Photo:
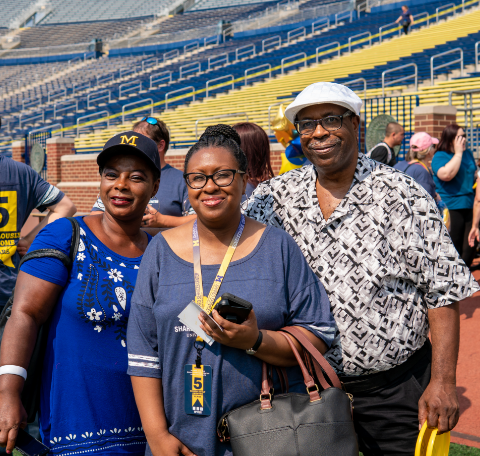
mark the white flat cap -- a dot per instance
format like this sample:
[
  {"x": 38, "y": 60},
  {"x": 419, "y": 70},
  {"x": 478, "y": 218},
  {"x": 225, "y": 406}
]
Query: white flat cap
[{"x": 321, "y": 93}]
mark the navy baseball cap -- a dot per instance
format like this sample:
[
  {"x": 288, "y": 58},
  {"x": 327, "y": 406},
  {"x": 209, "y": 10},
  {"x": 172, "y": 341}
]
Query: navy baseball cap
[{"x": 130, "y": 142}]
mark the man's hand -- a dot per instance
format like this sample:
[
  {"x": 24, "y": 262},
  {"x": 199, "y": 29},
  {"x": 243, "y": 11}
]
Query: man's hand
[
  {"x": 12, "y": 418},
  {"x": 439, "y": 406},
  {"x": 153, "y": 218}
]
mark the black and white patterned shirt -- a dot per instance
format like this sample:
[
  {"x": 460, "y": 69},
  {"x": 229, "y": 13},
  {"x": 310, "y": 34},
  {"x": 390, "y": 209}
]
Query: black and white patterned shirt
[{"x": 384, "y": 256}]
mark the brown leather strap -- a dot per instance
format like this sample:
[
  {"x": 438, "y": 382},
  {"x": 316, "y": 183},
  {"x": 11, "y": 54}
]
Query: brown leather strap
[
  {"x": 265, "y": 396},
  {"x": 312, "y": 388},
  {"x": 317, "y": 356}
]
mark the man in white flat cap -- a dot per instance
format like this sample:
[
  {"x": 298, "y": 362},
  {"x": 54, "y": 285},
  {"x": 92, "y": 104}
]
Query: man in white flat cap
[{"x": 375, "y": 239}]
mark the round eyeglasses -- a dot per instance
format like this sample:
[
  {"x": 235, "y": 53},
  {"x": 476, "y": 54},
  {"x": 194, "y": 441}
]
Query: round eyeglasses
[
  {"x": 331, "y": 123},
  {"x": 222, "y": 178}
]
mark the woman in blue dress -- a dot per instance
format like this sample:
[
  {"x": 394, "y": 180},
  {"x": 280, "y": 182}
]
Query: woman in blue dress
[
  {"x": 267, "y": 269},
  {"x": 87, "y": 404}
]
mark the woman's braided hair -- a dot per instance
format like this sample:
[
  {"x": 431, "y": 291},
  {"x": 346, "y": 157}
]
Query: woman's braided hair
[{"x": 220, "y": 136}]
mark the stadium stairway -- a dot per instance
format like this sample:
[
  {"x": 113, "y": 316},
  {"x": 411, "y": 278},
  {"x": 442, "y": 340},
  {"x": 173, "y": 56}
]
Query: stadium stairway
[{"x": 255, "y": 100}]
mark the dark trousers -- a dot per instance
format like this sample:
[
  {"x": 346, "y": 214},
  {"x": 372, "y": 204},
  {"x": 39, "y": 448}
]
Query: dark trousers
[
  {"x": 386, "y": 419},
  {"x": 460, "y": 226},
  {"x": 405, "y": 28}
]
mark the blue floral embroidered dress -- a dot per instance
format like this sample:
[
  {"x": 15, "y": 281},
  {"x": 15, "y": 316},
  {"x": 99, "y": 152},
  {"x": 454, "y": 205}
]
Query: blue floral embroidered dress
[{"x": 87, "y": 404}]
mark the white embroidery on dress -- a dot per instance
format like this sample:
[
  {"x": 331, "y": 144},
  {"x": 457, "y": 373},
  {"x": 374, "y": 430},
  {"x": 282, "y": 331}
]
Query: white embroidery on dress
[
  {"x": 115, "y": 275},
  {"x": 121, "y": 296}
]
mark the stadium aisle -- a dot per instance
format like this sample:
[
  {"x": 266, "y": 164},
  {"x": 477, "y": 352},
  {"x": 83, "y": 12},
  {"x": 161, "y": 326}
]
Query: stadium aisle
[{"x": 468, "y": 372}]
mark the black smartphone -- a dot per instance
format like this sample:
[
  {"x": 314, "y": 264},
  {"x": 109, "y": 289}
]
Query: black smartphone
[
  {"x": 27, "y": 445},
  {"x": 233, "y": 308}
]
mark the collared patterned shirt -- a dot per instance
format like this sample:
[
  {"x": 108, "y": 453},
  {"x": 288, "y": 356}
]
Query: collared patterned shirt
[{"x": 384, "y": 256}]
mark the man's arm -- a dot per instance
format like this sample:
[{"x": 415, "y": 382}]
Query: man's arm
[
  {"x": 154, "y": 219},
  {"x": 439, "y": 403},
  {"x": 64, "y": 208},
  {"x": 474, "y": 232}
]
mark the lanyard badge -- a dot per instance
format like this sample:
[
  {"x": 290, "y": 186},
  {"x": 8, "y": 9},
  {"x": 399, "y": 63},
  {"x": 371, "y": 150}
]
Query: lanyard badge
[{"x": 198, "y": 378}]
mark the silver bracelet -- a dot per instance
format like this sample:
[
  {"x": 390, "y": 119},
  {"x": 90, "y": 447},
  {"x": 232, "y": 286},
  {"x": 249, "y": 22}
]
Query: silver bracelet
[{"x": 15, "y": 370}]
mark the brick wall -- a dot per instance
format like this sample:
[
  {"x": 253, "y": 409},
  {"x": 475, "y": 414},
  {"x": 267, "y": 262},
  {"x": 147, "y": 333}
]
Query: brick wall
[
  {"x": 18, "y": 151},
  {"x": 56, "y": 148},
  {"x": 433, "y": 119}
]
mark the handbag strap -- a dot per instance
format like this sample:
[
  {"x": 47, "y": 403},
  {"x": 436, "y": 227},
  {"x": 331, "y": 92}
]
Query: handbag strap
[{"x": 317, "y": 356}]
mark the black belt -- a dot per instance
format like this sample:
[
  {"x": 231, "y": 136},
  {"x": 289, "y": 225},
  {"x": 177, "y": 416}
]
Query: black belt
[{"x": 364, "y": 383}]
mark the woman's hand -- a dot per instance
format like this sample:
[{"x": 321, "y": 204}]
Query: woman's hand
[
  {"x": 473, "y": 236},
  {"x": 459, "y": 145},
  {"x": 12, "y": 417},
  {"x": 153, "y": 218},
  {"x": 241, "y": 336},
  {"x": 170, "y": 446}
]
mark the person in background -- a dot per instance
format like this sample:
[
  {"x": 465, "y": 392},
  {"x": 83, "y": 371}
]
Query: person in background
[
  {"x": 267, "y": 269},
  {"x": 454, "y": 173},
  {"x": 418, "y": 160},
  {"x": 87, "y": 403},
  {"x": 406, "y": 19},
  {"x": 256, "y": 145},
  {"x": 166, "y": 208},
  {"x": 383, "y": 152},
  {"x": 22, "y": 190}
]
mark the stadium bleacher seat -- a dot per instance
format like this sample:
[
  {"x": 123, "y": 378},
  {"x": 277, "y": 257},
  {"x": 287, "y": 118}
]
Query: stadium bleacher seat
[{"x": 210, "y": 4}]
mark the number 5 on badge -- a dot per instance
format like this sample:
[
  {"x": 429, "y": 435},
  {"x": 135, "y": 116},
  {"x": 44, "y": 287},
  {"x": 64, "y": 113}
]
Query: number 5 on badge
[{"x": 198, "y": 390}]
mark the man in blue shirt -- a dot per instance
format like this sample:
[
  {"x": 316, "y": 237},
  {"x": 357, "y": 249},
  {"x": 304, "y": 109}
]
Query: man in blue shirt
[
  {"x": 21, "y": 191},
  {"x": 167, "y": 206}
]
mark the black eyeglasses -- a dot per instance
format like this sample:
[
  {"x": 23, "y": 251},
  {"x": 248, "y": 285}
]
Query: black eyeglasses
[
  {"x": 150, "y": 120},
  {"x": 330, "y": 123},
  {"x": 222, "y": 178}
]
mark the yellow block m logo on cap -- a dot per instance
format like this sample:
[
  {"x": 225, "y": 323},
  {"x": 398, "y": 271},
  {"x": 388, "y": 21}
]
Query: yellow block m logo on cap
[{"x": 127, "y": 140}]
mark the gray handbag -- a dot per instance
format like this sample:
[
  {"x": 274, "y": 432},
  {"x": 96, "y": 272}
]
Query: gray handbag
[{"x": 294, "y": 424}]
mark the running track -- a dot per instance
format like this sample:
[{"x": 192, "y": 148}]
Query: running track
[{"x": 467, "y": 431}]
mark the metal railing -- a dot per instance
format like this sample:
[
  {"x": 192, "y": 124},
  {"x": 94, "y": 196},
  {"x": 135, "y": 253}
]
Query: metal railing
[
  {"x": 48, "y": 127},
  {"x": 245, "y": 50},
  {"x": 105, "y": 78},
  {"x": 75, "y": 59},
  {"x": 171, "y": 55},
  {"x": 391, "y": 24},
  {"x": 29, "y": 102},
  {"x": 337, "y": 49},
  {"x": 129, "y": 87},
  {"x": 56, "y": 94},
  {"x": 65, "y": 106},
  {"x": 101, "y": 120},
  {"x": 350, "y": 39},
  {"x": 278, "y": 103},
  {"x": 265, "y": 65},
  {"x": 190, "y": 68},
  {"x": 24, "y": 118},
  {"x": 178, "y": 91},
  {"x": 106, "y": 95},
  {"x": 419, "y": 15},
  {"x": 137, "y": 110},
  {"x": 343, "y": 15},
  {"x": 473, "y": 134},
  {"x": 444, "y": 7},
  {"x": 124, "y": 71},
  {"x": 297, "y": 33},
  {"x": 477, "y": 66},
  {"x": 190, "y": 47},
  {"x": 355, "y": 81},
  {"x": 211, "y": 40},
  {"x": 226, "y": 32},
  {"x": 443, "y": 65},
  {"x": 229, "y": 76},
  {"x": 271, "y": 42},
  {"x": 415, "y": 76},
  {"x": 156, "y": 78},
  {"x": 219, "y": 59},
  {"x": 317, "y": 25},
  {"x": 77, "y": 86},
  {"x": 293, "y": 57},
  {"x": 149, "y": 63},
  {"x": 225, "y": 116}
]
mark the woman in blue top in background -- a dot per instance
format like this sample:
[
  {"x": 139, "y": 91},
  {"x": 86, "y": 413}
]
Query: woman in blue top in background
[
  {"x": 87, "y": 403},
  {"x": 454, "y": 170},
  {"x": 267, "y": 269}
]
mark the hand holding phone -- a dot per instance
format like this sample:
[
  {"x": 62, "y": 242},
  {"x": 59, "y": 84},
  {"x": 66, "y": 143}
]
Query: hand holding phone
[
  {"x": 27, "y": 445},
  {"x": 233, "y": 308}
]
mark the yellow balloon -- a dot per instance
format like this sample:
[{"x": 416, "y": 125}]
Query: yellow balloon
[{"x": 282, "y": 127}]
